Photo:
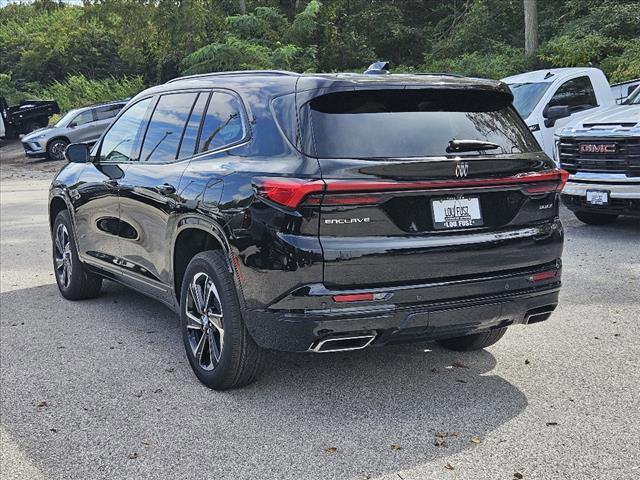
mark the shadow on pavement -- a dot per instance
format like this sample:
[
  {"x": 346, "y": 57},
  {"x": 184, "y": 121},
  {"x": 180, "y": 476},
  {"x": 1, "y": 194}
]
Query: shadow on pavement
[{"x": 116, "y": 383}]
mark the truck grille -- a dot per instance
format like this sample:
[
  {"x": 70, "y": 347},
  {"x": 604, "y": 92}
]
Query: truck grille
[{"x": 625, "y": 159}]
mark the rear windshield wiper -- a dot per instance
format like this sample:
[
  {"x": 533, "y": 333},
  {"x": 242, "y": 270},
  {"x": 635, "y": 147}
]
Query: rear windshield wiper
[{"x": 470, "y": 145}]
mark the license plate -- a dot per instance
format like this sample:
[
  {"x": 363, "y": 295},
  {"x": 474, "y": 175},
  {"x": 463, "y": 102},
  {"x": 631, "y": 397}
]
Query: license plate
[
  {"x": 597, "y": 197},
  {"x": 459, "y": 212}
]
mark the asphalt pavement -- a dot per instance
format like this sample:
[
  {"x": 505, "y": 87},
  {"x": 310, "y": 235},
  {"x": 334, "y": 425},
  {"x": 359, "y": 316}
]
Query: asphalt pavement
[{"x": 102, "y": 389}]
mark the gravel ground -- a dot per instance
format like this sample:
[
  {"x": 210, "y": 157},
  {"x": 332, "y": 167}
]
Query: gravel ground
[{"x": 102, "y": 389}]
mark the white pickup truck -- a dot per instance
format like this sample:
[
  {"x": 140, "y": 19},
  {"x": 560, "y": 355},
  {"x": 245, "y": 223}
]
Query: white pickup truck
[
  {"x": 548, "y": 100},
  {"x": 601, "y": 152}
]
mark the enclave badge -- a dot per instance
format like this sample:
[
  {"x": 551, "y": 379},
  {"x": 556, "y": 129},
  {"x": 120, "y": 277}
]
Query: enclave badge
[{"x": 462, "y": 169}]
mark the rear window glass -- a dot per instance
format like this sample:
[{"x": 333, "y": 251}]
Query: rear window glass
[{"x": 410, "y": 123}]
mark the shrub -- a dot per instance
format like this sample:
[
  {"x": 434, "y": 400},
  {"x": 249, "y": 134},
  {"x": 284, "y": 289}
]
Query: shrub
[
  {"x": 506, "y": 61},
  {"x": 625, "y": 66},
  {"x": 574, "y": 51},
  {"x": 77, "y": 91}
]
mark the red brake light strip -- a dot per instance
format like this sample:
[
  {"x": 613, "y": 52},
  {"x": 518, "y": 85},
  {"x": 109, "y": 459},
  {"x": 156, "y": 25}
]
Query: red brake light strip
[{"x": 290, "y": 192}]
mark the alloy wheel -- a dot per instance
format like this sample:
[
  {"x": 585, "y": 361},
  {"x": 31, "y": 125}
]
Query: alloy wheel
[
  {"x": 62, "y": 254},
  {"x": 57, "y": 150},
  {"x": 205, "y": 323}
]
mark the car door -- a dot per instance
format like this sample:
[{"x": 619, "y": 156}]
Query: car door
[
  {"x": 150, "y": 191},
  {"x": 103, "y": 117},
  {"x": 81, "y": 127},
  {"x": 579, "y": 95},
  {"x": 96, "y": 194}
]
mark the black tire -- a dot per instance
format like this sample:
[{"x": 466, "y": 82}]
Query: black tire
[
  {"x": 593, "y": 218},
  {"x": 475, "y": 341},
  {"x": 219, "y": 348},
  {"x": 73, "y": 279},
  {"x": 56, "y": 148}
]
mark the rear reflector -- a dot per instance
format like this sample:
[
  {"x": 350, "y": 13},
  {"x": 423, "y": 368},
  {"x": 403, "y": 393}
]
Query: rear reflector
[
  {"x": 538, "y": 277},
  {"x": 354, "y": 297},
  {"x": 290, "y": 192}
]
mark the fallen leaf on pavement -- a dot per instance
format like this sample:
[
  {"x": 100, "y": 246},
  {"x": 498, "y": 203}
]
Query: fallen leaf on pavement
[
  {"x": 133, "y": 455},
  {"x": 331, "y": 450},
  {"x": 517, "y": 475},
  {"x": 448, "y": 466},
  {"x": 527, "y": 362},
  {"x": 138, "y": 394},
  {"x": 475, "y": 440},
  {"x": 459, "y": 365},
  {"x": 552, "y": 424},
  {"x": 396, "y": 447},
  {"x": 41, "y": 404}
]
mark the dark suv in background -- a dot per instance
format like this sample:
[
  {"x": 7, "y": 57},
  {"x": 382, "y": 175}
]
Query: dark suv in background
[{"x": 315, "y": 213}]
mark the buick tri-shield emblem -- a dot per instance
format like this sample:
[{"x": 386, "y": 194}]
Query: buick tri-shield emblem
[
  {"x": 597, "y": 148},
  {"x": 462, "y": 169}
]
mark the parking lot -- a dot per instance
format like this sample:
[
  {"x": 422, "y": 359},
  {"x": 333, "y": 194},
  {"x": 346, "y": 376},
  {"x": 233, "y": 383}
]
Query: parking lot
[{"x": 102, "y": 388}]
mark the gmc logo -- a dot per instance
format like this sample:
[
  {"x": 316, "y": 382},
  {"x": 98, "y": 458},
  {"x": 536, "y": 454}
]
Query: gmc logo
[{"x": 597, "y": 148}]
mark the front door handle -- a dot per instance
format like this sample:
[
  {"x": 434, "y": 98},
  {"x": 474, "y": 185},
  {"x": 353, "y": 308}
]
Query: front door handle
[{"x": 166, "y": 189}]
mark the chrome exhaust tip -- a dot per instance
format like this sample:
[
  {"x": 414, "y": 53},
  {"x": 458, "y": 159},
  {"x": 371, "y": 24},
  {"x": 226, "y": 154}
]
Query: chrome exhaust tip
[
  {"x": 342, "y": 343},
  {"x": 539, "y": 314}
]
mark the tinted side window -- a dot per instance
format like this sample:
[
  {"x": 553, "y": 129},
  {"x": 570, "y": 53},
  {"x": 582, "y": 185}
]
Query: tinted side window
[
  {"x": 190, "y": 137},
  {"x": 82, "y": 118},
  {"x": 577, "y": 94},
  {"x": 165, "y": 127},
  {"x": 109, "y": 111},
  {"x": 119, "y": 143},
  {"x": 222, "y": 124}
]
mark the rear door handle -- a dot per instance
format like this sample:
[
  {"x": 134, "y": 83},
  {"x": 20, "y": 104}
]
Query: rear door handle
[{"x": 166, "y": 189}]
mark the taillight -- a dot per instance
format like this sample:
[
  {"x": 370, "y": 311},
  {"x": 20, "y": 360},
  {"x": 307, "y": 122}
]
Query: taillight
[
  {"x": 291, "y": 192},
  {"x": 543, "y": 186},
  {"x": 285, "y": 191}
]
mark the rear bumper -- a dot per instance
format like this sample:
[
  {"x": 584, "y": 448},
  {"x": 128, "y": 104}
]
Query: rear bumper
[
  {"x": 410, "y": 313},
  {"x": 624, "y": 197}
]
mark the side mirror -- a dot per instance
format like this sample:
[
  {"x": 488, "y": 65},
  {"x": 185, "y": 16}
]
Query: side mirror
[
  {"x": 72, "y": 125},
  {"x": 551, "y": 114},
  {"x": 77, "y": 153}
]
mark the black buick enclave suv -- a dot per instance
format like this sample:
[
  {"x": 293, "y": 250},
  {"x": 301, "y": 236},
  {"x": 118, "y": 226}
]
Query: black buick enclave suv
[{"x": 315, "y": 213}]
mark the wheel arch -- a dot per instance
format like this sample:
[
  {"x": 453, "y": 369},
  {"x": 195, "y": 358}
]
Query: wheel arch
[
  {"x": 194, "y": 236},
  {"x": 56, "y": 205}
]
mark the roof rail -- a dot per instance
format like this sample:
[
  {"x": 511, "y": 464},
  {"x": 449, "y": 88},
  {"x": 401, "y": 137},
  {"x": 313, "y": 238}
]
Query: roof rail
[
  {"x": 237, "y": 72},
  {"x": 441, "y": 74}
]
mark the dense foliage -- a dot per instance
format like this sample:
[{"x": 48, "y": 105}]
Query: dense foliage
[{"x": 75, "y": 53}]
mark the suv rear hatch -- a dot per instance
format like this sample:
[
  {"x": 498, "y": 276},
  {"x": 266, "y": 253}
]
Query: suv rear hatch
[{"x": 425, "y": 185}]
